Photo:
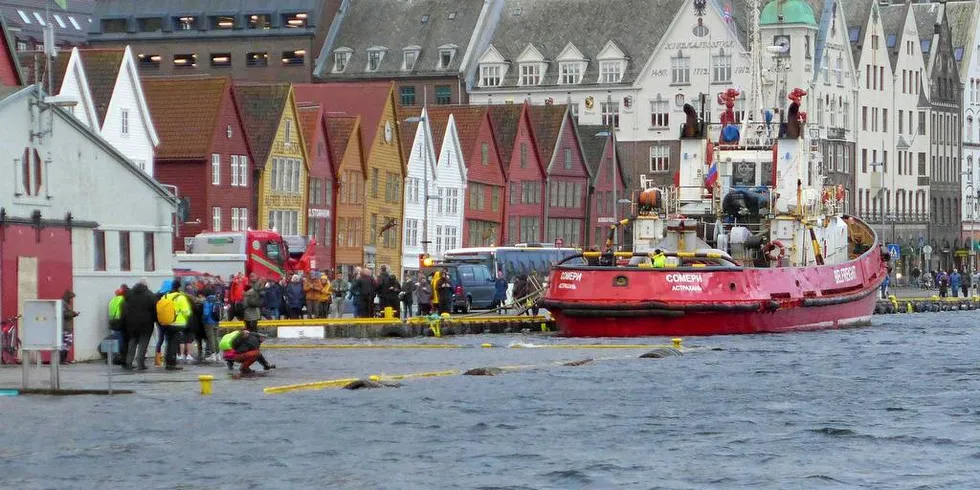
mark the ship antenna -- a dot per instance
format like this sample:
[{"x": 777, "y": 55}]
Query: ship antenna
[{"x": 754, "y": 103}]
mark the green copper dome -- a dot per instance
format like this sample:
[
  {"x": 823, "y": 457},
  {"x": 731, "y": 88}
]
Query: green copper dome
[{"x": 793, "y": 12}]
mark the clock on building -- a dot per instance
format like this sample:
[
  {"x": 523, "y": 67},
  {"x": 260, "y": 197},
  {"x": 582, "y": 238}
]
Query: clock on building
[
  {"x": 782, "y": 41},
  {"x": 388, "y": 130}
]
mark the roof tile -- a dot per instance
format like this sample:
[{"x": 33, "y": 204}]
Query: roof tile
[
  {"x": 262, "y": 107},
  {"x": 340, "y": 131},
  {"x": 506, "y": 119},
  {"x": 547, "y": 121},
  {"x": 310, "y": 115},
  {"x": 185, "y": 112},
  {"x": 101, "y": 69},
  {"x": 365, "y": 99}
]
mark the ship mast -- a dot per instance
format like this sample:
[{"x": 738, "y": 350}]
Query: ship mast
[{"x": 755, "y": 65}]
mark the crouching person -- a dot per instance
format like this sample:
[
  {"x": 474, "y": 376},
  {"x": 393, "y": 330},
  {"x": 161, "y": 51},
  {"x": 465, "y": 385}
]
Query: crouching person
[{"x": 242, "y": 346}]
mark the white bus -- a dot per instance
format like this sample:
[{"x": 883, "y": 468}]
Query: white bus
[{"x": 520, "y": 259}]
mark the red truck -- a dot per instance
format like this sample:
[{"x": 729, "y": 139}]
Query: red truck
[{"x": 264, "y": 253}]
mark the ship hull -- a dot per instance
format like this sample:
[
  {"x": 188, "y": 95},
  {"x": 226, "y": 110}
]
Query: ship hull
[{"x": 632, "y": 302}]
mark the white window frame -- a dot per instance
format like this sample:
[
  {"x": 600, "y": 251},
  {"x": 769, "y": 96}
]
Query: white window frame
[
  {"x": 609, "y": 112},
  {"x": 60, "y": 22},
  {"x": 243, "y": 219},
  {"x": 216, "y": 218},
  {"x": 659, "y": 159},
  {"x": 414, "y": 55},
  {"x": 610, "y": 71},
  {"x": 243, "y": 170},
  {"x": 341, "y": 60},
  {"x": 24, "y": 17},
  {"x": 721, "y": 67},
  {"x": 74, "y": 23},
  {"x": 234, "y": 169},
  {"x": 491, "y": 74},
  {"x": 571, "y": 73},
  {"x": 375, "y": 58},
  {"x": 40, "y": 20},
  {"x": 125, "y": 122},
  {"x": 680, "y": 69},
  {"x": 215, "y": 169},
  {"x": 531, "y": 74},
  {"x": 659, "y": 113},
  {"x": 234, "y": 220},
  {"x": 452, "y": 56},
  {"x": 288, "y": 132}
]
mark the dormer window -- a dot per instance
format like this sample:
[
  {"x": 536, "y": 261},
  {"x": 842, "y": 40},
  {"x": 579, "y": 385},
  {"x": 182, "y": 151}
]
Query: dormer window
[
  {"x": 341, "y": 58},
  {"x": 531, "y": 73},
  {"x": 375, "y": 55},
  {"x": 260, "y": 21},
  {"x": 610, "y": 71},
  {"x": 571, "y": 72},
  {"x": 294, "y": 20},
  {"x": 447, "y": 53},
  {"x": 222, "y": 22},
  {"x": 491, "y": 75},
  {"x": 410, "y": 57},
  {"x": 185, "y": 22}
]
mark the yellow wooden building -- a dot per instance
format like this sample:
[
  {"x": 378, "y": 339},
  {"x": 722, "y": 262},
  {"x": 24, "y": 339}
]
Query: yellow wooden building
[
  {"x": 384, "y": 166},
  {"x": 279, "y": 152}
]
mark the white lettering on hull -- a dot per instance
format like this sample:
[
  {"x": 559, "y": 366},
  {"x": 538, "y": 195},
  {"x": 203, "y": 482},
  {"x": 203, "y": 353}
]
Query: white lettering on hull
[
  {"x": 571, "y": 276},
  {"x": 567, "y": 286},
  {"x": 846, "y": 274},
  {"x": 682, "y": 278},
  {"x": 686, "y": 288}
]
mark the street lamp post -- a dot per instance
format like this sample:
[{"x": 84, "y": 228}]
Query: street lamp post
[{"x": 423, "y": 120}]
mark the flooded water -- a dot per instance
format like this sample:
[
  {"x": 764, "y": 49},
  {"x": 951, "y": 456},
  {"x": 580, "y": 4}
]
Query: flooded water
[{"x": 890, "y": 406}]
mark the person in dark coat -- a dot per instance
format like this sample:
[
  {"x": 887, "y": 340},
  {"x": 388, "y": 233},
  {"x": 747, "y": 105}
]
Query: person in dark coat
[
  {"x": 499, "y": 291},
  {"x": 366, "y": 288},
  {"x": 272, "y": 300},
  {"x": 521, "y": 291},
  {"x": 295, "y": 298},
  {"x": 139, "y": 315},
  {"x": 388, "y": 289},
  {"x": 407, "y": 295},
  {"x": 444, "y": 290}
]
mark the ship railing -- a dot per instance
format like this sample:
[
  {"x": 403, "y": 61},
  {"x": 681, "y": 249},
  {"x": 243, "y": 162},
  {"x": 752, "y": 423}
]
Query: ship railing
[{"x": 708, "y": 260}]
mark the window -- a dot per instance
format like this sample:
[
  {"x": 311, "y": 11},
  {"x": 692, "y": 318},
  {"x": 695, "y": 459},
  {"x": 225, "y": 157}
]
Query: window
[
  {"x": 32, "y": 172},
  {"x": 185, "y": 61},
  {"x": 446, "y": 58},
  {"x": 294, "y": 20},
  {"x": 216, "y": 169},
  {"x": 21, "y": 45},
  {"x": 340, "y": 60},
  {"x": 40, "y": 20},
  {"x": 884, "y": 120},
  {"x": 411, "y": 232},
  {"x": 288, "y": 131},
  {"x": 846, "y": 115},
  {"x": 374, "y": 59},
  {"x": 444, "y": 94},
  {"x": 568, "y": 158},
  {"x": 374, "y": 183},
  {"x": 565, "y": 228},
  {"x": 257, "y": 58},
  {"x": 74, "y": 23},
  {"x": 145, "y": 24},
  {"x": 610, "y": 71},
  {"x": 485, "y": 153},
  {"x": 235, "y": 220},
  {"x": 721, "y": 67},
  {"x": 864, "y": 160},
  {"x": 259, "y": 21},
  {"x": 109, "y": 26},
  {"x": 659, "y": 158},
  {"x": 222, "y": 22},
  {"x": 373, "y": 231},
  {"x": 219, "y": 60},
  {"x": 215, "y": 219},
  {"x": 523, "y": 155},
  {"x": 149, "y": 252},
  {"x": 659, "y": 113},
  {"x": 680, "y": 69},
  {"x": 495, "y": 199},
  {"x": 185, "y": 23},
  {"x": 571, "y": 73},
  {"x": 409, "y": 57},
  {"x": 125, "y": 262},
  {"x": 839, "y": 70},
  {"x": 864, "y": 118},
  {"x": 491, "y": 75},
  {"x": 530, "y": 73},
  {"x": 610, "y": 114},
  {"x": 294, "y": 58},
  {"x": 922, "y": 123},
  {"x": 530, "y": 229},
  {"x": 27, "y": 20},
  {"x": 407, "y": 95},
  {"x": 149, "y": 61},
  {"x": 125, "y": 121},
  {"x": 234, "y": 170},
  {"x": 242, "y": 171},
  {"x": 99, "y": 248}
]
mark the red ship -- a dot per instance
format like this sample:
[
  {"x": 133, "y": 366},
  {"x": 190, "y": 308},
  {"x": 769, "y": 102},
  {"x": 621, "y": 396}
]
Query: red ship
[{"x": 748, "y": 240}]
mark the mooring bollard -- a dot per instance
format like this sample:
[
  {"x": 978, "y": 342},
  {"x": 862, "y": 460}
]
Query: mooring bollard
[
  {"x": 677, "y": 343},
  {"x": 205, "y": 380}
]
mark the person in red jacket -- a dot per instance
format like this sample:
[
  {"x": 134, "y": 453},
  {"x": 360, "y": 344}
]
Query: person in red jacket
[{"x": 236, "y": 296}]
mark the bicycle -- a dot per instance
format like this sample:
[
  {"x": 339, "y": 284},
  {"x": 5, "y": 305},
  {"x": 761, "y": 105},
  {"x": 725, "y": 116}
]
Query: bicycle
[{"x": 9, "y": 341}]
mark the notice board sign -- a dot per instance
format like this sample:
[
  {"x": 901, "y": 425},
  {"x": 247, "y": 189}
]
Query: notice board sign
[{"x": 41, "y": 325}]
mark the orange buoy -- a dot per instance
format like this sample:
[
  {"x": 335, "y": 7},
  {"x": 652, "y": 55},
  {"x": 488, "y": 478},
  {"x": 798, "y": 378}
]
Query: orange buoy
[{"x": 650, "y": 198}]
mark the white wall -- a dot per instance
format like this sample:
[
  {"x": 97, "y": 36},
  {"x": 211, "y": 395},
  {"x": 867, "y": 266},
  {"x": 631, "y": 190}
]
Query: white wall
[
  {"x": 450, "y": 174},
  {"x": 422, "y": 152},
  {"x": 95, "y": 184},
  {"x": 137, "y": 144}
]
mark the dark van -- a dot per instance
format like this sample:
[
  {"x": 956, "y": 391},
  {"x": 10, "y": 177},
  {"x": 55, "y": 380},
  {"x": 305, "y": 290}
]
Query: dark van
[{"x": 472, "y": 285}]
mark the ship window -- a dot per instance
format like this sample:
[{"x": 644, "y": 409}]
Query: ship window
[
  {"x": 743, "y": 174},
  {"x": 766, "y": 174}
]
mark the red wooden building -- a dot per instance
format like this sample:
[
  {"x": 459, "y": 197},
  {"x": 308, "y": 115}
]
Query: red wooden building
[
  {"x": 599, "y": 157},
  {"x": 204, "y": 152},
  {"x": 9, "y": 69},
  {"x": 566, "y": 173},
  {"x": 524, "y": 172},
  {"x": 322, "y": 186}
]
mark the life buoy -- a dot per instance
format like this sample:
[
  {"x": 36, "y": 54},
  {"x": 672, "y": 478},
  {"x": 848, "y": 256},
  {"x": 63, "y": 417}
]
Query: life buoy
[{"x": 774, "y": 250}]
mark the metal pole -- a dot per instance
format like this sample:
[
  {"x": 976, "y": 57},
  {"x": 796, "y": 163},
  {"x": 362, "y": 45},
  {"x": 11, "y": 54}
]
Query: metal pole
[
  {"x": 615, "y": 164},
  {"x": 425, "y": 183}
]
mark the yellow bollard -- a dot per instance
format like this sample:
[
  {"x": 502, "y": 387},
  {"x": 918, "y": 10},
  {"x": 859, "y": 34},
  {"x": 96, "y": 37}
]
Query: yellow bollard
[
  {"x": 375, "y": 378},
  {"x": 389, "y": 313},
  {"x": 205, "y": 380},
  {"x": 486, "y": 346},
  {"x": 677, "y": 343}
]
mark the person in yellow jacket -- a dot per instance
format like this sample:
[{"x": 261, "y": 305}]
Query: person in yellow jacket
[
  {"x": 659, "y": 259},
  {"x": 182, "y": 306},
  {"x": 435, "y": 289}
]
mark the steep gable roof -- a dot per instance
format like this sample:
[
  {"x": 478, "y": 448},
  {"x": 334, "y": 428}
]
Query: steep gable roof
[
  {"x": 32, "y": 62},
  {"x": 469, "y": 119},
  {"x": 927, "y": 15},
  {"x": 857, "y": 13},
  {"x": 547, "y": 122},
  {"x": 505, "y": 119},
  {"x": 593, "y": 146},
  {"x": 893, "y": 22},
  {"x": 408, "y": 129},
  {"x": 438, "y": 124},
  {"x": 185, "y": 112},
  {"x": 102, "y": 70},
  {"x": 8, "y": 55},
  {"x": 961, "y": 17},
  {"x": 365, "y": 99},
  {"x": 635, "y": 26},
  {"x": 262, "y": 107},
  {"x": 310, "y": 116},
  {"x": 425, "y": 24},
  {"x": 342, "y": 131}
]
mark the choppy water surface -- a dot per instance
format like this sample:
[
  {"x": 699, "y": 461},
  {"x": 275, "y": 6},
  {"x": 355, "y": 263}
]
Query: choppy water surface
[{"x": 891, "y": 406}]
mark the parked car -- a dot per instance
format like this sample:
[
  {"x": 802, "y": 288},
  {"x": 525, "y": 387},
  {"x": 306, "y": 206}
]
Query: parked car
[{"x": 472, "y": 285}]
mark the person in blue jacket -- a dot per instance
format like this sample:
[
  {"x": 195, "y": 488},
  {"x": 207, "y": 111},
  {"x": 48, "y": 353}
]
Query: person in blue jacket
[
  {"x": 295, "y": 298},
  {"x": 499, "y": 291},
  {"x": 272, "y": 300}
]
